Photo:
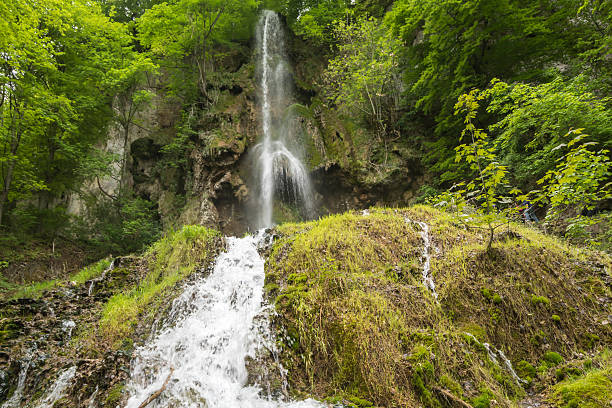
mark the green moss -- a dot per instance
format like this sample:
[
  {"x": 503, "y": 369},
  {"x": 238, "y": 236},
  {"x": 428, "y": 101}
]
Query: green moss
[
  {"x": 556, "y": 318},
  {"x": 491, "y": 296},
  {"x": 350, "y": 288},
  {"x": 449, "y": 383},
  {"x": 552, "y": 358},
  {"x": 114, "y": 395},
  {"x": 171, "y": 259},
  {"x": 475, "y": 330},
  {"x": 540, "y": 300},
  {"x": 526, "y": 371},
  {"x": 591, "y": 340},
  {"x": 483, "y": 400},
  {"x": 593, "y": 390},
  {"x": 359, "y": 402}
]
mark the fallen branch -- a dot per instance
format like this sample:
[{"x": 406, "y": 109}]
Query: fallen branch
[
  {"x": 451, "y": 397},
  {"x": 158, "y": 392}
]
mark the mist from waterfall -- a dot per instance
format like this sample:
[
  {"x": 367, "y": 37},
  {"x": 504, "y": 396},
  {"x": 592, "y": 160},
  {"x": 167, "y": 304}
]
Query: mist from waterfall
[{"x": 280, "y": 173}]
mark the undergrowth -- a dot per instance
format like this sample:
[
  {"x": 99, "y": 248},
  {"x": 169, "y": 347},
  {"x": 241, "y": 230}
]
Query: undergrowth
[
  {"x": 35, "y": 290},
  {"x": 166, "y": 262},
  {"x": 591, "y": 389},
  {"x": 361, "y": 325}
]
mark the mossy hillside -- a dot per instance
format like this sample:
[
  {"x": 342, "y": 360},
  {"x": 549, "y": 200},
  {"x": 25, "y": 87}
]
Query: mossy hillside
[
  {"x": 110, "y": 315},
  {"x": 36, "y": 289},
  {"x": 361, "y": 325},
  {"x": 165, "y": 263}
]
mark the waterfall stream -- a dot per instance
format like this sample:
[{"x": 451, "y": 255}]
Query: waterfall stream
[
  {"x": 279, "y": 172},
  {"x": 213, "y": 327}
]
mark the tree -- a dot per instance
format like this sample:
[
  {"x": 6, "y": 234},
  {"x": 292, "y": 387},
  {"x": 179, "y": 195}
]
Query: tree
[
  {"x": 364, "y": 76},
  {"x": 129, "y": 83},
  {"x": 535, "y": 119},
  {"x": 577, "y": 184},
  {"x": 454, "y": 46},
  {"x": 182, "y": 34},
  {"x": 54, "y": 103},
  {"x": 485, "y": 198}
]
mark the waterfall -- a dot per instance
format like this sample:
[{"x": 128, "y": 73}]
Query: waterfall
[
  {"x": 279, "y": 172},
  {"x": 199, "y": 357}
]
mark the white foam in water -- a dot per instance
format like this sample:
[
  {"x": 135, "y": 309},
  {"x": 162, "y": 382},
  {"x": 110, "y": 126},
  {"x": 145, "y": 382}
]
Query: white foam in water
[
  {"x": 15, "y": 400},
  {"x": 67, "y": 327},
  {"x": 493, "y": 357},
  {"x": 214, "y": 325},
  {"x": 58, "y": 388},
  {"x": 100, "y": 278},
  {"x": 426, "y": 254}
]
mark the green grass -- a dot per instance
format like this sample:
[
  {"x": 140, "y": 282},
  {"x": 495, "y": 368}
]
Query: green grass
[
  {"x": 35, "y": 290},
  {"x": 591, "y": 390},
  {"x": 90, "y": 272},
  {"x": 168, "y": 261}
]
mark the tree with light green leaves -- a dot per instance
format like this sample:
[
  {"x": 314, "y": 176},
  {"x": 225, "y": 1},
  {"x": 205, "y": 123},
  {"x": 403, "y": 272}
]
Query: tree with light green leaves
[
  {"x": 483, "y": 201},
  {"x": 186, "y": 35},
  {"x": 579, "y": 182},
  {"x": 364, "y": 76},
  {"x": 56, "y": 66}
]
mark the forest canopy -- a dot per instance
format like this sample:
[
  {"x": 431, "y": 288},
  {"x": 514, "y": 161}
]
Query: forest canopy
[{"x": 72, "y": 71}]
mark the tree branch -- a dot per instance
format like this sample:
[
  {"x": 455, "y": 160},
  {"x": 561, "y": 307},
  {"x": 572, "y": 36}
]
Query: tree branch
[{"x": 158, "y": 392}]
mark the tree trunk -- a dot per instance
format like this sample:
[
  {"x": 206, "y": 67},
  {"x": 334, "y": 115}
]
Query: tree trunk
[
  {"x": 8, "y": 178},
  {"x": 490, "y": 243},
  {"x": 5, "y": 188}
]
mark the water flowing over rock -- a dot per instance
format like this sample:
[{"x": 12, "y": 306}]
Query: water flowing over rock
[
  {"x": 15, "y": 400},
  {"x": 199, "y": 358},
  {"x": 426, "y": 273},
  {"x": 279, "y": 172},
  {"x": 58, "y": 388},
  {"x": 493, "y": 354}
]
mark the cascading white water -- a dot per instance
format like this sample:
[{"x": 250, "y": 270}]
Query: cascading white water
[
  {"x": 15, "y": 400},
  {"x": 277, "y": 164},
  {"x": 214, "y": 326},
  {"x": 426, "y": 255},
  {"x": 58, "y": 388},
  {"x": 493, "y": 357}
]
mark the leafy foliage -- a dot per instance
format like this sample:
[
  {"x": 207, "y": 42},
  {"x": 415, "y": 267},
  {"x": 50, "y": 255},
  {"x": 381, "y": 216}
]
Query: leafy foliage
[
  {"x": 186, "y": 35},
  {"x": 483, "y": 198},
  {"x": 56, "y": 69},
  {"x": 364, "y": 76},
  {"x": 577, "y": 185},
  {"x": 534, "y": 120}
]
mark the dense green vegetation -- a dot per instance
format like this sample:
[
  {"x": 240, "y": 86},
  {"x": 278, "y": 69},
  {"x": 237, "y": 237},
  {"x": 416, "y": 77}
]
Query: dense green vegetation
[
  {"x": 122, "y": 122},
  {"x": 72, "y": 72}
]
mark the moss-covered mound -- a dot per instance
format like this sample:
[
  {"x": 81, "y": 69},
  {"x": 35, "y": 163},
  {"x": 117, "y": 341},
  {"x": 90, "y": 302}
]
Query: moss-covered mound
[{"x": 361, "y": 326}]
